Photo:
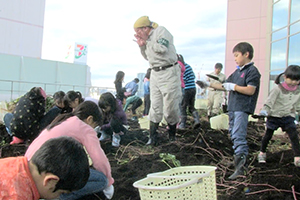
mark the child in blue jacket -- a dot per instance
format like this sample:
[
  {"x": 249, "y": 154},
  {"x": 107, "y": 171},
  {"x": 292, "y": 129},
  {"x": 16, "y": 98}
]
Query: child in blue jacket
[{"x": 243, "y": 86}]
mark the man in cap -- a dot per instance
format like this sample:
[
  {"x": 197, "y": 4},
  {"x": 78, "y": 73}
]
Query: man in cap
[
  {"x": 156, "y": 44},
  {"x": 215, "y": 97}
]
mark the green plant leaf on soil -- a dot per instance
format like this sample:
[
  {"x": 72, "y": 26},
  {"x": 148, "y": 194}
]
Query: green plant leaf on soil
[{"x": 169, "y": 157}]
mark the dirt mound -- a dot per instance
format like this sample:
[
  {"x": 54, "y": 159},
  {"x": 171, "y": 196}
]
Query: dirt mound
[{"x": 132, "y": 161}]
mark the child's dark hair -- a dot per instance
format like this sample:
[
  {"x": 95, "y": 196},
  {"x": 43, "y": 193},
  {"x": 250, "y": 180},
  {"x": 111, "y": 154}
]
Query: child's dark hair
[
  {"x": 82, "y": 111},
  {"x": 119, "y": 76},
  {"x": 292, "y": 72},
  {"x": 59, "y": 97},
  {"x": 86, "y": 109},
  {"x": 71, "y": 96},
  {"x": 136, "y": 80},
  {"x": 244, "y": 47},
  {"x": 218, "y": 66},
  {"x": 35, "y": 93},
  {"x": 107, "y": 99},
  {"x": 180, "y": 58},
  {"x": 66, "y": 158}
]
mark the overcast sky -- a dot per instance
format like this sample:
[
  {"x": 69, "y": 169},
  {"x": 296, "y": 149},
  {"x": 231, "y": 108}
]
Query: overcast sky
[{"x": 198, "y": 28}]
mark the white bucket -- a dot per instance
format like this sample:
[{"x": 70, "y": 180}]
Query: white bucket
[
  {"x": 144, "y": 122},
  {"x": 201, "y": 104},
  {"x": 222, "y": 121},
  {"x": 219, "y": 122}
]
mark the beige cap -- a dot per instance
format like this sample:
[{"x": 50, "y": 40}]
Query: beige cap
[{"x": 144, "y": 22}]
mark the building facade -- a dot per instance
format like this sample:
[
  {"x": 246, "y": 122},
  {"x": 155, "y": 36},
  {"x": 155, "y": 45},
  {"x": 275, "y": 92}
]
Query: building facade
[
  {"x": 22, "y": 26},
  {"x": 21, "y": 38},
  {"x": 273, "y": 28},
  {"x": 285, "y": 36}
]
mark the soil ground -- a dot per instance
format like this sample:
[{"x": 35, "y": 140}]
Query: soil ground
[{"x": 278, "y": 179}]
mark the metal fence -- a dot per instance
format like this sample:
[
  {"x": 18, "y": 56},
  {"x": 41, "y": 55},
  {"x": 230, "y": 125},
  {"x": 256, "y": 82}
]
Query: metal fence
[{"x": 10, "y": 90}]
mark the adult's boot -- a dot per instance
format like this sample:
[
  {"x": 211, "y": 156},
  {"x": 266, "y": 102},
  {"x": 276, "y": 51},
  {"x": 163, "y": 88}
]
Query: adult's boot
[
  {"x": 153, "y": 134},
  {"x": 172, "y": 132},
  {"x": 196, "y": 120},
  {"x": 182, "y": 123},
  {"x": 240, "y": 166}
]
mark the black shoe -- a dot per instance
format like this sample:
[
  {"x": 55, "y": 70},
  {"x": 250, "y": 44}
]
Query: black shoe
[
  {"x": 240, "y": 166},
  {"x": 172, "y": 132},
  {"x": 153, "y": 134}
]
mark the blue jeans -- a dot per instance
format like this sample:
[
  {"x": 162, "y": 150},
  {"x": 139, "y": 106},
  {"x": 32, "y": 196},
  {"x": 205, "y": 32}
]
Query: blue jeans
[
  {"x": 238, "y": 123},
  {"x": 97, "y": 182},
  {"x": 7, "y": 119}
]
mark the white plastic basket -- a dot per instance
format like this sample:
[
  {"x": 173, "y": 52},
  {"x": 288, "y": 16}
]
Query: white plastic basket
[{"x": 184, "y": 183}]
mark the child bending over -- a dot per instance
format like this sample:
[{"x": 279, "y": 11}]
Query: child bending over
[
  {"x": 114, "y": 118},
  {"x": 59, "y": 166}
]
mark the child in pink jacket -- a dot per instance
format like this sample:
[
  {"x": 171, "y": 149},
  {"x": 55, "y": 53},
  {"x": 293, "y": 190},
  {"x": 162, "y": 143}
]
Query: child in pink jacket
[{"x": 80, "y": 125}]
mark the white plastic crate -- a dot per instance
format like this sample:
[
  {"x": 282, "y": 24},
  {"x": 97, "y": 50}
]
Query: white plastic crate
[{"x": 184, "y": 183}]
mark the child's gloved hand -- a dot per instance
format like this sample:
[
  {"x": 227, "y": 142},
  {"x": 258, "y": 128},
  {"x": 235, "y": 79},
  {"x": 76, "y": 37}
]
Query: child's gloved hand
[
  {"x": 109, "y": 191},
  {"x": 126, "y": 126},
  {"x": 229, "y": 86},
  {"x": 263, "y": 113},
  {"x": 203, "y": 84}
]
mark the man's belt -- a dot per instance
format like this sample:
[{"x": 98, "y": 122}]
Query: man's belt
[{"x": 163, "y": 67}]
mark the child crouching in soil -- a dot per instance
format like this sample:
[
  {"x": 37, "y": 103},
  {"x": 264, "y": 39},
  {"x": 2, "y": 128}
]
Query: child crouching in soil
[
  {"x": 59, "y": 166},
  {"x": 80, "y": 125},
  {"x": 114, "y": 118},
  {"x": 25, "y": 119}
]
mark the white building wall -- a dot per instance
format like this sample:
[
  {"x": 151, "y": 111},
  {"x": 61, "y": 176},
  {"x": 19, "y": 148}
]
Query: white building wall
[
  {"x": 21, "y": 27},
  {"x": 19, "y": 74},
  {"x": 21, "y": 37},
  {"x": 250, "y": 25}
]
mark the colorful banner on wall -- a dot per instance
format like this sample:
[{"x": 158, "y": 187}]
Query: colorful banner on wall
[
  {"x": 80, "y": 53},
  {"x": 77, "y": 53}
]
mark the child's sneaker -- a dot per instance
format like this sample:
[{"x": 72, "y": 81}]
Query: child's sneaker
[
  {"x": 262, "y": 157},
  {"x": 116, "y": 140},
  {"x": 297, "y": 161}
]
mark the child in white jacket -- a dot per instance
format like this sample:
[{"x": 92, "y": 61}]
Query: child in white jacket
[{"x": 280, "y": 108}]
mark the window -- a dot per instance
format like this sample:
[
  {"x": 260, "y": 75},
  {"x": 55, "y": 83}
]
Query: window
[
  {"x": 278, "y": 55},
  {"x": 282, "y": 33},
  {"x": 285, "y": 46},
  {"x": 280, "y": 14},
  {"x": 294, "y": 50},
  {"x": 295, "y": 7},
  {"x": 295, "y": 28}
]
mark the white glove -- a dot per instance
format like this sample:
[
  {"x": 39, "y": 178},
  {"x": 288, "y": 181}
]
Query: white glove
[
  {"x": 109, "y": 191},
  {"x": 263, "y": 113},
  {"x": 228, "y": 86},
  {"x": 203, "y": 84},
  {"x": 126, "y": 126}
]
